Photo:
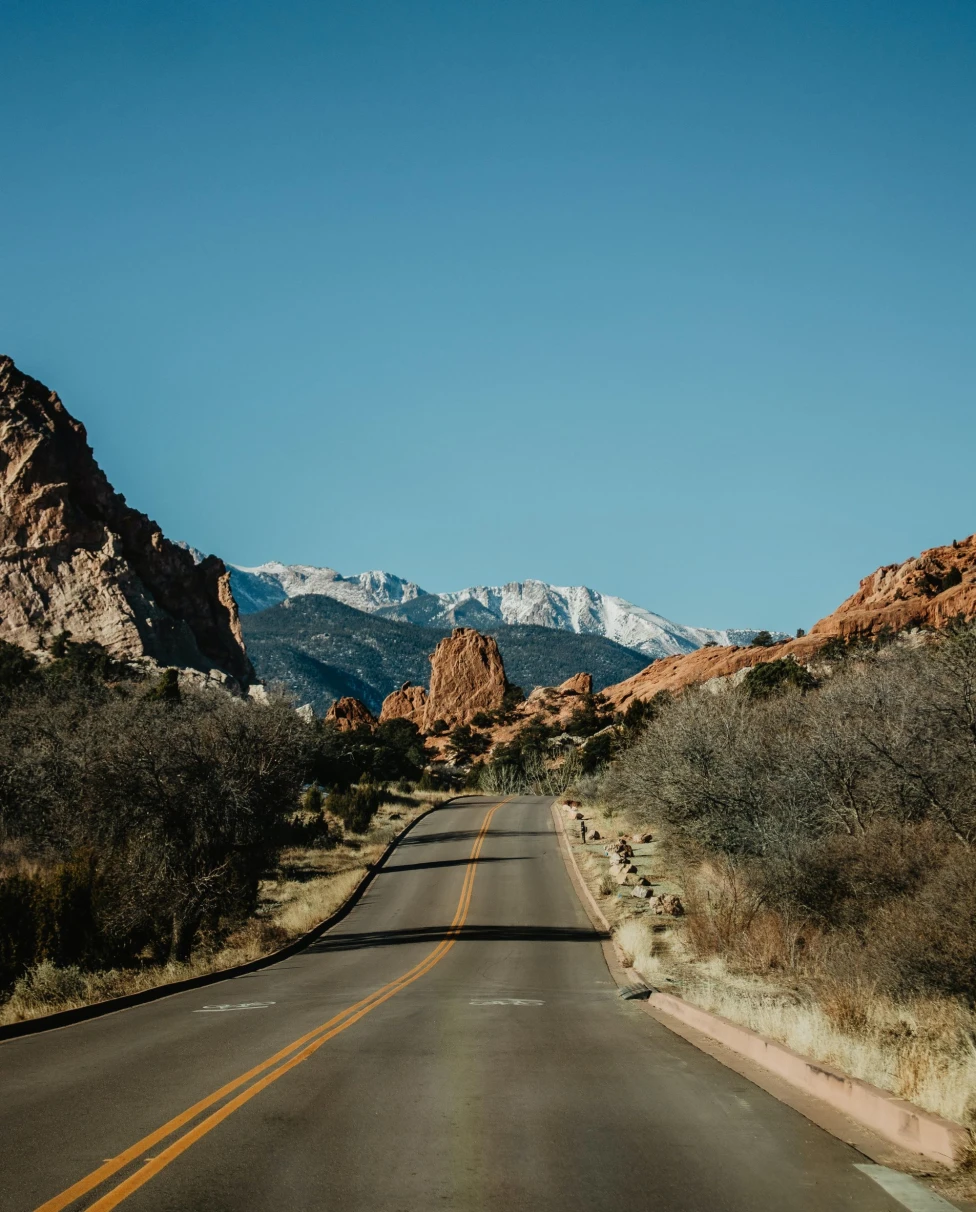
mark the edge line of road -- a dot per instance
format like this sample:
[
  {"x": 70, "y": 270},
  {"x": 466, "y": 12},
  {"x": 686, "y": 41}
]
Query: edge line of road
[
  {"x": 710, "y": 1034},
  {"x": 285, "y": 1059},
  {"x": 125, "y": 1001}
]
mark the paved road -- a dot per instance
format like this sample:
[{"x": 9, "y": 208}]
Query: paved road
[{"x": 487, "y": 1064}]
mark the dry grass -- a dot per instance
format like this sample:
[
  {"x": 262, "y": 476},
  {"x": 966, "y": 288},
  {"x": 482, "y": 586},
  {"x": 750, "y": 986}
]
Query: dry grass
[
  {"x": 309, "y": 886},
  {"x": 922, "y": 1050}
]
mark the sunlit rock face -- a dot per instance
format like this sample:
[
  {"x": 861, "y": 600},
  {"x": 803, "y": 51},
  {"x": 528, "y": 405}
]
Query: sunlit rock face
[
  {"x": 466, "y": 676},
  {"x": 74, "y": 557}
]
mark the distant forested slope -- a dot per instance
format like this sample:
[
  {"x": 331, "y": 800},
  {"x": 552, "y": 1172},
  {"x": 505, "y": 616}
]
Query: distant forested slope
[{"x": 322, "y": 650}]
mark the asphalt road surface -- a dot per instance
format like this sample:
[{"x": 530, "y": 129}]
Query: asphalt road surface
[{"x": 455, "y": 1043}]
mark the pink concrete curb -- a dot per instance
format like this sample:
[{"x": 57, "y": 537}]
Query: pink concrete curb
[{"x": 893, "y": 1118}]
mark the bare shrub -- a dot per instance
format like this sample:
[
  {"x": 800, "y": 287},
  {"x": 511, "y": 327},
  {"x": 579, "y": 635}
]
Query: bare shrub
[{"x": 149, "y": 821}]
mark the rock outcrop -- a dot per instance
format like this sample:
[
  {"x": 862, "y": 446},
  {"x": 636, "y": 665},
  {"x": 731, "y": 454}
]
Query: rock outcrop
[
  {"x": 407, "y": 703},
  {"x": 931, "y": 590},
  {"x": 74, "y": 557},
  {"x": 579, "y": 683},
  {"x": 466, "y": 676},
  {"x": 348, "y": 714}
]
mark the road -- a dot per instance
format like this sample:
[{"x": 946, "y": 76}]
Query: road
[{"x": 478, "y": 1057}]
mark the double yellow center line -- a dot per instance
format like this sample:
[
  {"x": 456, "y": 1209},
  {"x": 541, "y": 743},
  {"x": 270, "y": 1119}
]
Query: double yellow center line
[{"x": 274, "y": 1067}]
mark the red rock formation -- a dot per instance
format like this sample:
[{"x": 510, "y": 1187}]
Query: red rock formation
[
  {"x": 466, "y": 676},
  {"x": 579, "y": 683},
  {"x": 930, "y": 590},
  {"x": 348, "y": 714},
  {"x": 74, "y": 557},
  {"x": 407, "y": 703}
]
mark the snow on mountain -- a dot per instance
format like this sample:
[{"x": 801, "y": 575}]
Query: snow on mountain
[
  {"x": 258, "y": 588},
  {"x": 577, "y": 608},
  {"x": 567, "y": 608}
]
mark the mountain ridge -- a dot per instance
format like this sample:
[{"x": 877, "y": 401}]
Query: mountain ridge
[
  {"x": 573, "y": 608},
  {"x": 324, "y": 650}
]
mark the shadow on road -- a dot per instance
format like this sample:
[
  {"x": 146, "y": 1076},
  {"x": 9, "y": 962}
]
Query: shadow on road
[
  {"x": 461, "y": 862},
  {"x": 481, "y": 934},
  {"x": 466, "y": 835}
]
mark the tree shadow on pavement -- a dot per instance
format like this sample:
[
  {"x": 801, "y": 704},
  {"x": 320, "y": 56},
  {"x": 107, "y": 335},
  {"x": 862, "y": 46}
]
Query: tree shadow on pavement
[
  {"x": 466, "y": 835},
  {"x": 461, "y": 862},
  {"x": 474, "y": 933}
]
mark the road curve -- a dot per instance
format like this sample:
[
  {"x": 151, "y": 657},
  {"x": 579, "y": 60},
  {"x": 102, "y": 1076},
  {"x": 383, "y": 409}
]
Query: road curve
[{"x": 455, "y": 1043}]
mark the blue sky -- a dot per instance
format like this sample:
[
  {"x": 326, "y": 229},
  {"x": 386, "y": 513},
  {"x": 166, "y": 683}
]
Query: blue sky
[{"x": 672, "y": 299}]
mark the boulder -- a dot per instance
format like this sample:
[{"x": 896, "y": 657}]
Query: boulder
[
  {"x": 641, "y": 890},
  {"x": 349, "y": 713},
  {"x": 407, "y": 703},
  {"x": 75, "y": 557},
  {"x": 466, "y": 677},
  {"x": 620, "y": 875},
  {"x": 595, "y": 835},
  {"x": 667, "y": 904},
  {"x": 579, "y": 683}
]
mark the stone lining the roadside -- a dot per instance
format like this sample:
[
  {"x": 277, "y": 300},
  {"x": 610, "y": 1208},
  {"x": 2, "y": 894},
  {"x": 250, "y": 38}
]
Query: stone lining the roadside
[{"x": 895, "y": 1119}]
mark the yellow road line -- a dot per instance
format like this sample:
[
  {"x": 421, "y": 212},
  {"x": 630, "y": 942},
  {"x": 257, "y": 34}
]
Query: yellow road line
[{"x": 308, "y": 1043}]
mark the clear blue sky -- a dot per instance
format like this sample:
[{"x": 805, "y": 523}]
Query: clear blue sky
[{"x": 672, "y": 299}]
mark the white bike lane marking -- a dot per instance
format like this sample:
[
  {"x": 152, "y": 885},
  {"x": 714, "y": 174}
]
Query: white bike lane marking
[
  {"x": 219, "y": 1009},
  {"x": 506, "y": 1001},
  {"x": 909, "y": 1192}
]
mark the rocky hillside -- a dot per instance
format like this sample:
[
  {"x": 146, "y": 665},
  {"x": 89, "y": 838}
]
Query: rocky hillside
[
  {"x": 574, "y": 608},
  {"x": 929, "y": 590},
  {"x": 75, "y": 557},
  {"x": 325, "y": 651}
]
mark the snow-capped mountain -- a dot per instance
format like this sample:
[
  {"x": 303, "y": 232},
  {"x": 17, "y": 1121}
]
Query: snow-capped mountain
[
  {"x": 586, "y": 611},
  {"x": 567, "y": 608},
  {"x": 268, "y": 584}
]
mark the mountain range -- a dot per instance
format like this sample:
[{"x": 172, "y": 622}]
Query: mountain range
[
  {"x": 531, "y": 603},
  {"x": 323, "y": 650}
]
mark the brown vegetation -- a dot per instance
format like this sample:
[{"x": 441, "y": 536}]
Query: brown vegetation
[
  {"x": 308, "y": 885},
  {"x": 826, "y": 843}
]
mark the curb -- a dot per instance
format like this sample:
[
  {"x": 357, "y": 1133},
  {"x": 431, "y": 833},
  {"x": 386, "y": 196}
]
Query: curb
[
  {"x": 898, "y": 1121},
  {"x": 79, "y": 1014},
  {"x": 623, "y": 975},
  {"x": 920, "y": 1132}
]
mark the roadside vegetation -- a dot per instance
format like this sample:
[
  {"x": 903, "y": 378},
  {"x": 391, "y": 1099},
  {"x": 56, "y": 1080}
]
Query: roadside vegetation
[
  {"x": 821, "y": 829},
  {"x": 151, "y": 831}
]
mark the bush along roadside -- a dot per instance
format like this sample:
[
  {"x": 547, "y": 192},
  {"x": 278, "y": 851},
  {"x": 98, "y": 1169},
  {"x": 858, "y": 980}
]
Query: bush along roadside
[
  {"x": 820, "y": 834},
  {"x": 143, "y": 822}
]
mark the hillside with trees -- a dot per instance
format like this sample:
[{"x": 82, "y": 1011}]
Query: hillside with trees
[{"x": 323, "y": 650}]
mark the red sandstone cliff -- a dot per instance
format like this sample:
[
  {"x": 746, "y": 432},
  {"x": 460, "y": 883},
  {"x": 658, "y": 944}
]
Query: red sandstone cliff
[
  {"x": 466, "y": 676},
  {"x": 74, "y": 557},
  {"x": 929, "y": 590}
]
